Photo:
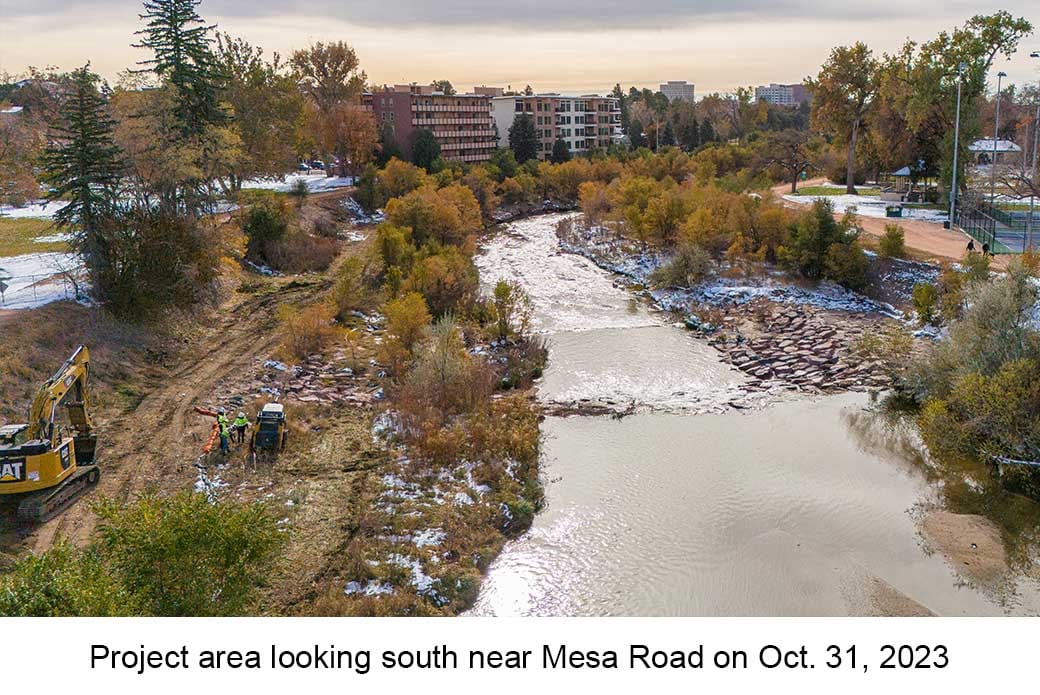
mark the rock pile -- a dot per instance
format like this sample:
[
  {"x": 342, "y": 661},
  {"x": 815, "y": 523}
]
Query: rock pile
[
  {"x": 802, "y": 347},
  {"x": 319, "y": 380}
]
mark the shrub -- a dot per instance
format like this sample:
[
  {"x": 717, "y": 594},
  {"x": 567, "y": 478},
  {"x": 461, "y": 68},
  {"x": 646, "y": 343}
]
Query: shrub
[
  {"x": 187, "y": 555},
  {"x": 407, "y": 319},
  {"x": 687, "y": 268},
  {"x": 399, "y": 178},
  {"x": 306, "y": 331},
  {"x": 994, "y": 330},
  {"x": 951, "y": 293},
  {"x": 266, "y": 222},
  {"x": 302, "y": 253},
  {"x": 925, "y": 299},
  {"x": 351, "y": 292},
  {"x": 446, "y": 215},
  {"x": 594, "y": 199},
  {"x": 63, "y": 581},
  {"x": 512, "y": 309},
  {"x": 370, "y": 192},
  {"x": 847, "y": 265},
  {"x": 893, "y": 243},
  {"x": 976, "y": 268},
  {"x": 299, "y": 191},
  {"x": 448, "y": 281},
  {"x": 444, "y": 382},
  {"x": 158, "y": 260}
]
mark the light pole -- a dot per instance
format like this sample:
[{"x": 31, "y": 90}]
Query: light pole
[
  {"x": 956, "y": 145},
  {"x": 993, "y": 160},
  {"x": 1036, "y": 137}
]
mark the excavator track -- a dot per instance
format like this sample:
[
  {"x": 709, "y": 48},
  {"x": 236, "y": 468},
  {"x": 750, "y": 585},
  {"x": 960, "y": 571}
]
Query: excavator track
[{"x": 42, "y": 506}]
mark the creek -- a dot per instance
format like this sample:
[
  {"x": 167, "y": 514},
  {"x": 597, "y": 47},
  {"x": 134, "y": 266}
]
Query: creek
[{"x": 689, "y": 506}]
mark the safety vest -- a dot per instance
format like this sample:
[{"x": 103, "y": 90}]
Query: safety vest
[{"x": 241, "y": 421}]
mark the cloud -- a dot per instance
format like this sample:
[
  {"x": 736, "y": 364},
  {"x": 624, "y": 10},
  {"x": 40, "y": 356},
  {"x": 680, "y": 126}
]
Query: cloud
[{"x": 539, "y": 15}]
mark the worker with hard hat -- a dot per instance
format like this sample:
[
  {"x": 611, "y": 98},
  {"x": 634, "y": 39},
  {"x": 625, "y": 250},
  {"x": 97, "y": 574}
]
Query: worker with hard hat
[{"x": 239, "y": 427}]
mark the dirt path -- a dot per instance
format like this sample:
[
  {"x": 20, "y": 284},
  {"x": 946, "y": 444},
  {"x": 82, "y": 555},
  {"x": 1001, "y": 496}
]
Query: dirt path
[
  {"x": 929, "y": 240},
  {"x": 153, "y": 444}
]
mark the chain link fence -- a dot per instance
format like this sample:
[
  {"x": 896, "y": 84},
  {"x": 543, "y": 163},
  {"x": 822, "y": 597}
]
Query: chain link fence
[{"x": 27, "y": 291}]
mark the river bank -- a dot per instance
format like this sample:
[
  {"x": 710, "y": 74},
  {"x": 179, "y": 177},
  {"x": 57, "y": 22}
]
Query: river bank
[{"x": 698, "y": 488}]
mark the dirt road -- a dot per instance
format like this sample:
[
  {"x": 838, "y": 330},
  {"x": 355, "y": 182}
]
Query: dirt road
[{"x": 153, "y": 444}]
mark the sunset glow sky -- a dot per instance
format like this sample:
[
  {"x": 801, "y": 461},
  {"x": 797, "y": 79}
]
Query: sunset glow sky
[{"x": 579, "y": 46}]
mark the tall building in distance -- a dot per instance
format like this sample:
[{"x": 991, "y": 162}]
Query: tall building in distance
[
  {"x": 463, "y": 124},
  {"x": 783, "y": 94},
  {"x": 678, "y": 90},
  {"x": 584, "y": 122}
]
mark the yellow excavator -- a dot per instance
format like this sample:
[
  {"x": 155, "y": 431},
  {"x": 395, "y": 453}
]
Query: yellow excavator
[{"x": 45, "y": 465}]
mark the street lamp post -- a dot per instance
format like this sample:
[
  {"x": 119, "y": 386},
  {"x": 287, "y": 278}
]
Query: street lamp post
[
  {"x": 956, "y": 145},
  {"x": 1036, "y": 137},
  {"x": 993, "y": 160}
]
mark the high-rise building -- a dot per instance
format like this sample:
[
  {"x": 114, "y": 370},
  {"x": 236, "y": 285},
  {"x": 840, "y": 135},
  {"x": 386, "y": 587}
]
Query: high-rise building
[
  {"x": 678, "y": 90},
  {"x": 462, "y": 123},
  {"x": 783, "y": 94},
  {"x": 584, "y": 122}
]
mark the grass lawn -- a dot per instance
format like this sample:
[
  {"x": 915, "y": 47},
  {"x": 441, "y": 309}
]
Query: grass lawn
[
  {"x": 17, "y": 236},
  {"x": 834, "y": 190}
]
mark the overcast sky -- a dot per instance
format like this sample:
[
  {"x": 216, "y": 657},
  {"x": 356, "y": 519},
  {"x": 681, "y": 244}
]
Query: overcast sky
[{"x": 577, "y": 46}]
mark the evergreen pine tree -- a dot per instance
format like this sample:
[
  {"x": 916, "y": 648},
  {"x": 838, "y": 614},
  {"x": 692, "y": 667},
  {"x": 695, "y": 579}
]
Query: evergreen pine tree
[
  {"x": 689, "y": 134},
  {"x": 82, "y": 165},
  {"x": 668, "y": 137},
  {"x": 636, "y": 135},
  {"x": 560, "y": 152},
  {"x": 523, "y": 138},
  {"x": 707, "y": 132},
  {"x": 426, "y": 150},
  {"x": 388, "y": 148},
  {"x": 180, "y": 42}
]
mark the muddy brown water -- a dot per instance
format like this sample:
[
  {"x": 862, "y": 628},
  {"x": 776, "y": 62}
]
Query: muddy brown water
[{"x": 692, "y": 508}]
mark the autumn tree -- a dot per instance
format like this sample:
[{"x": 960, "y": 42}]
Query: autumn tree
[
  {"x": 21, "y": 144},
  {"x": 348, "y": 132},
  {"x": 330, "y": 75},
  {"x": 266, "y": 106},
  {"x": 789, "y": 151},
  {"x": 444, "y": 86},
  {"x": 934, "y": 74},
  {"x": 843, "y": 97}
]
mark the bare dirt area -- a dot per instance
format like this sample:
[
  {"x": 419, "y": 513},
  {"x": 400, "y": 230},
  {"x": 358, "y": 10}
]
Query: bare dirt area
[
  {"x": 145, "y": 383},
  {"x": 971, "y": 544}
]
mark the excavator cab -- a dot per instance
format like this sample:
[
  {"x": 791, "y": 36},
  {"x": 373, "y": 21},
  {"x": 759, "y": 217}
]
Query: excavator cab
[{"x": 45, "y": 465}]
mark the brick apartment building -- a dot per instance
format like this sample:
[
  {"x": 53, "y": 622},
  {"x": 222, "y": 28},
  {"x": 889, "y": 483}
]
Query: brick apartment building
[
  {"x": 783, "y": 94},
  {"x": 463, "y": 124},
  {"x": 584, "y": 122}
]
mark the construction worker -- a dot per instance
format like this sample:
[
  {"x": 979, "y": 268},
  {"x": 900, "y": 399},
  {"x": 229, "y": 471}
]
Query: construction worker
[
  {"x": 239, "y": 426},
  {"x": 225, "y": 436}
]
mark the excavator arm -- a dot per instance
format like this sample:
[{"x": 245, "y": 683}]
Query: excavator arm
[{"x": 67, "y": 387}]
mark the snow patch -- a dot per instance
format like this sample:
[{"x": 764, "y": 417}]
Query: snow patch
[
  {"x": 37, "y": 209},
  {"x": 35, "y": 279}
]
